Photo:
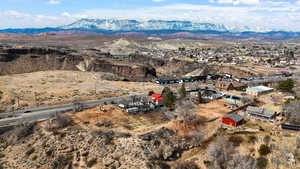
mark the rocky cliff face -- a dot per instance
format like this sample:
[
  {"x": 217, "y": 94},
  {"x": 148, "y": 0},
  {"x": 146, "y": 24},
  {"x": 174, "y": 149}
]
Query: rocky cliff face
[
  {"x": 135, "y": 73},
  {"x": 25, "y": 60}
]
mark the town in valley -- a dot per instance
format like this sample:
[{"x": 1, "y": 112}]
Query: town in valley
[{"x": 218, "y": 87}]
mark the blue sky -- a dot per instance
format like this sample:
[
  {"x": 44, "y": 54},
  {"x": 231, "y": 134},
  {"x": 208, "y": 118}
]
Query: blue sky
[{"x": 257, "y": 14}]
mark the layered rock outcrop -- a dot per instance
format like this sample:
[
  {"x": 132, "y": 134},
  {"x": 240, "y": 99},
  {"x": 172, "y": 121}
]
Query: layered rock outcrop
[{"x": 26, "y": 60}]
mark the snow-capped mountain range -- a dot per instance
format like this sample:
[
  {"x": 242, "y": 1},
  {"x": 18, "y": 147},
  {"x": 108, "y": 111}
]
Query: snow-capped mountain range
[
  {"x": 155, "y": 25},
  {"x": 160, "y": 28}
]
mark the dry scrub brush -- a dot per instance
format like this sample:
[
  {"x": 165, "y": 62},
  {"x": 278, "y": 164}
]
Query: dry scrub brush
[
  {"x": 222, "y": 155},
  {"x": 59, "y": 122}
]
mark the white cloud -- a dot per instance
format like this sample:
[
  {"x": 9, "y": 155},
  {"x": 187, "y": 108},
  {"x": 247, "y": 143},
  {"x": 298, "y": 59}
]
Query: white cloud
[
  {"x": 158, "y": 0},
  {"x": 236, "y": 2},
  {"x": 15, "y": 19},
  {"x": 267, "y": 14},
  {"x": 298, "y": 2},
  {"x": 66, "y": 14},
  {"x": 15, "y": 14},
  {"x": 53, "y": 2}
]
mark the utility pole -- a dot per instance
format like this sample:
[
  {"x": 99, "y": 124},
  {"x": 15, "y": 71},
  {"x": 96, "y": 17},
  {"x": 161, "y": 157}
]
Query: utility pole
[
  {"x": 35, "y": 99},
  {"x": 15, "y": 95},
  {"x": 95, "y": 84},
  {"x": 18, "y": 102}
]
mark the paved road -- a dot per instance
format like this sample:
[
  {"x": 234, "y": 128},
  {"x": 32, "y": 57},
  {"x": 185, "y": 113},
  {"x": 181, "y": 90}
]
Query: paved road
[
  {"x": 250, "y": 82},
  {"x": 37, "y": 114}
]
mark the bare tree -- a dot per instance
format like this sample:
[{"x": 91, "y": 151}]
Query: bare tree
[
  {"x": 58, "y": 122},
  {"x": 292, "y": 112},
  {"x": 185, "y": 165},
  {"x": 298, "y": 142},
  {"x": 184, "y": 107},
  {"x": 223, "y": 156},
  {"x": 267, "y": 139},
  {"x": 241, "y": 162},
  {"x": 220, "y": 153}
]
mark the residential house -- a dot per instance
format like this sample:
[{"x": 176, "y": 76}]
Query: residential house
[
  {"x": 211, "y": 94},
  {"x": 158, "y": 99},
  {"x": 230, "y": 85},
  {"x": 261, "y": 113},
  {"x": 233, "y": 120},
  {"x": 258, "y": 90}
]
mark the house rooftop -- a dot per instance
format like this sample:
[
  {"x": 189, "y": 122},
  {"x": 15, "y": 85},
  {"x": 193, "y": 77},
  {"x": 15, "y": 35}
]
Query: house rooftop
[
  {"x": 235, "y": 117},
  {"x": 260, "y": 111},
  {"x": 259, "y": 89}
]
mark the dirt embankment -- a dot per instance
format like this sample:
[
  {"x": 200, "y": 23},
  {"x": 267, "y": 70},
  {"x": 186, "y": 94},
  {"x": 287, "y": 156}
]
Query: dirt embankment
[{"x": 26, "y": 60}]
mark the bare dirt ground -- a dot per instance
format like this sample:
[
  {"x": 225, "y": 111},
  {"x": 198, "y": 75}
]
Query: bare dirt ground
[
  {"x": 213, "y": 109},
  {"x": 118, "y": 120},
  {"x": 262, "y": 69},
  {"x": 115, "y": 44},
  {"x": 59, "y": 87}
]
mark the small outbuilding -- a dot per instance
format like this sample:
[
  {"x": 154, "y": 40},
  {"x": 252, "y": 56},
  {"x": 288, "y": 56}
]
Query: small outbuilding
[
  {"x": 233, "y": 99},
  {"x": 233, "y": 120},
  {"x": 230, "y": 85},
  {"x": 261, "y": 113},
  {"x": 258, "y": 90}
]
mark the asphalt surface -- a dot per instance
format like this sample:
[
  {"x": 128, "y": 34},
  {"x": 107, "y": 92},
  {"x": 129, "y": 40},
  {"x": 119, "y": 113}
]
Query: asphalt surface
[{"x": 37, "y": 114}]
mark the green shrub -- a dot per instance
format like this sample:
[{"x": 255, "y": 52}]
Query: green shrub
[
  {"x": 91, "y": 162},
  {"x": 182, "y": 91},
  {"x": 34, "y": 157},
  {"x": 49, "y": 152},
  {"x": 252, "y": 139},
  {"x": 298, "y": 142},
  {"x": 261, "y": 163},
  {"x": 170, "y": 100},
  {"x": 200, "y": 98},
  {"x": 236, "y": 140},
  {"x": 30, "y": 151},
  {"x": 150, "y": 93},
  {"x": 207, "y": 163},
  {"x": 186, "y": 165},
  {"x": 286, "y": 85},
  {"x": 61, "y": 161},
  {"x": 264, "y": 150}
]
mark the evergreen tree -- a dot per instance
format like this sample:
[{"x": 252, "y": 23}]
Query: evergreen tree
[
  {"x": 170, "y": 100},
  {"x": 150, "y": 93},
  {"x": 165, "y": 91},
  {"x": 200, "y": 99},
  {"x": 286, "y": 86},
  {"x": 182, "y": 91}
]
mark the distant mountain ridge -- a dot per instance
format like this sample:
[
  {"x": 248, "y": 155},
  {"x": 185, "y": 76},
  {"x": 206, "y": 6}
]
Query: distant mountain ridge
[
  {"x": 160, "y": 28},
  {"x": 150, "y": 25}
]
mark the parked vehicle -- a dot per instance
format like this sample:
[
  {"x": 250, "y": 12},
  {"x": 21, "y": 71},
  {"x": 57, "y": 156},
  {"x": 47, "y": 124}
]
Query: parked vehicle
[{"x": 132, "y": 110}]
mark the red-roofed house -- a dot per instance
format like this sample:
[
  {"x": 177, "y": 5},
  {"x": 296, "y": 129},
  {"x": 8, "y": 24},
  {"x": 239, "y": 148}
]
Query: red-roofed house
[{"x": 159, "y": 100}]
